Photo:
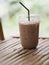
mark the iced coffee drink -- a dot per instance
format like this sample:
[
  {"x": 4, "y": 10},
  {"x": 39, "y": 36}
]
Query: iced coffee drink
[{"x": 29, "y": 32}]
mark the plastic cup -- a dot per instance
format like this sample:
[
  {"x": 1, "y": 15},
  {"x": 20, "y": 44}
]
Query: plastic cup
[{"x": 29, "y": 31}]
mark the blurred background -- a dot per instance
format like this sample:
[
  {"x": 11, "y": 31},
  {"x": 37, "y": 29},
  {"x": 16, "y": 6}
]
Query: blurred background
[{"x": 11, "y": 9}]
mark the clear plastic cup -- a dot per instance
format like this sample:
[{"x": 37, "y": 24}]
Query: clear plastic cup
[{"x": 29, "y": 31}]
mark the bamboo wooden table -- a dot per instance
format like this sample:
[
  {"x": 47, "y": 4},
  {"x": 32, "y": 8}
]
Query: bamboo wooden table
[{"x": 12, "y": 53}]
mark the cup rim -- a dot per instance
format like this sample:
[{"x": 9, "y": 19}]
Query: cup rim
[{"x": 32, "y": 14}]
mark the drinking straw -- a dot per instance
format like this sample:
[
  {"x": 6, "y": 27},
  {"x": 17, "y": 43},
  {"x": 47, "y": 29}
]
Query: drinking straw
[{"x": 27, "y": 10}]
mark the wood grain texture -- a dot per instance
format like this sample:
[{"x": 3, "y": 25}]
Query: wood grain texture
[{"x": 12, "y": 53}]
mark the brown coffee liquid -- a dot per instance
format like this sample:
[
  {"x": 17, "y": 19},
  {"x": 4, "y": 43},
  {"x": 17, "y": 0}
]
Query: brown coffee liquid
[
  {"x": 29, "y": 35},
  {"x": 1, "y": 32}
]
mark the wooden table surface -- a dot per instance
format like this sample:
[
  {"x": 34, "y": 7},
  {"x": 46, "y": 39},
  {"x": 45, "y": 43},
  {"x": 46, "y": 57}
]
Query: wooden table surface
[{"x": 12, "y": 53}]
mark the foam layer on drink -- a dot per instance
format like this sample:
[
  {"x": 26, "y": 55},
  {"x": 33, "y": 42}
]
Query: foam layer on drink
[{"x": 32, "y": 21}]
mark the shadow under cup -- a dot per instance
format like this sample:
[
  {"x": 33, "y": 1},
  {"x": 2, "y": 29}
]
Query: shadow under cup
[{"x": 29, "y": 31}]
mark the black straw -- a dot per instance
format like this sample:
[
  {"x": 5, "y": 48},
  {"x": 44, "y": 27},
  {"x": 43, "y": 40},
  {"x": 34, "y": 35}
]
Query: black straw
[{"x": 27, "y": 10}]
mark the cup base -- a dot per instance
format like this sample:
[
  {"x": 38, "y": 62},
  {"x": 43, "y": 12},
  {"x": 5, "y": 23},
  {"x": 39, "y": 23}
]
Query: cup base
[{"x": 29, "y": 48}]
